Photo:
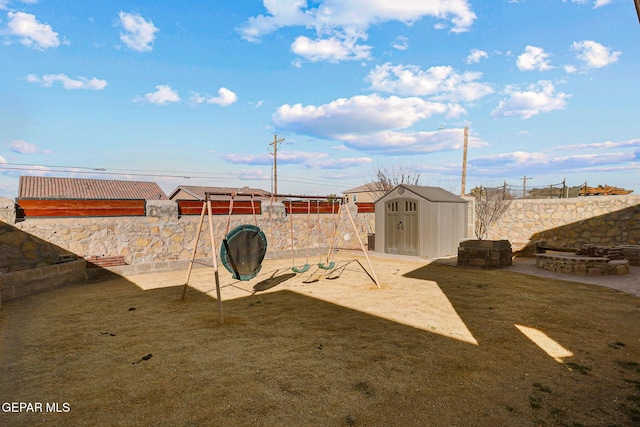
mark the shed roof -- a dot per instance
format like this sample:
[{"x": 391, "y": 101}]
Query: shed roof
[
  {"x": 42, "y": 187},
  {"x": 199, "y": 192},
  {"x": 433, "y": 194}
]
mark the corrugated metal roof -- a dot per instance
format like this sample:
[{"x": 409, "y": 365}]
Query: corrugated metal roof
[
  {"x": 40, "y": 187},
  {"x": 199, "y": 192}
]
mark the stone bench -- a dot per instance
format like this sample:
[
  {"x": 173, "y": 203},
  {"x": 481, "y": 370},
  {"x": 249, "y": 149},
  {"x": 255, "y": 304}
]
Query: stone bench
[{"x": 582, "y": 265}]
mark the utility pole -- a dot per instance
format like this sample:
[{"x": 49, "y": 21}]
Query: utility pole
[
  {"x": 524, "y": 186},
  {"x": 464, "y": 161},
  {"x": 275, "y": 144}
]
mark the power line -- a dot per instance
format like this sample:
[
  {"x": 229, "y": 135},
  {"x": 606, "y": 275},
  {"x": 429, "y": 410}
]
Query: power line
[{"x": 156, "y": 173}]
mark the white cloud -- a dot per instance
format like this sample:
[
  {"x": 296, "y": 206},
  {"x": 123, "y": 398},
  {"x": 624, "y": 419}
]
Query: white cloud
[
  {"x": 536, "y": 99},
  {"x": 593, "y": 54},
  {"x": 24, "y": 147},
  {"x": 441, "y": 83},
  {"x": 163, "y": 95},
  {"x": 139, "y": 33},
  {"x": 225, "y": 97},
  {"x": 596, "y": 3},
  {"x": 249, "y": 159},
  {"x": 248, "y": 174},
  {"x": 32, "y": 33},
  {"x": 600, "y": 3},
  {"x": 48, "y": 80},
  {"x": 308, "y": 159},
  {"x": 408, "y": 143},
  {"x": 332, "y": 49},
  {"x": 284, "y": 157},
  {"x": 509, "y": 164},
  {"x": 341, "y": 163},
  {"x": 476, "y": 55},
  {"x": 359, "y": 114},
  {"x": 401, "y": 43},
  {"x": 339, "y": 24},
  {"x": 331, "y": 14},
  {"x": 534, "y": 58},
  {"x": 599, "y": 145}
]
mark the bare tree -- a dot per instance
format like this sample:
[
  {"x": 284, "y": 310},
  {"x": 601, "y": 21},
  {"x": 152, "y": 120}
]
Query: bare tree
[
  {"x": 386, "y": 179},
  {"x": 491, "y": 204}
]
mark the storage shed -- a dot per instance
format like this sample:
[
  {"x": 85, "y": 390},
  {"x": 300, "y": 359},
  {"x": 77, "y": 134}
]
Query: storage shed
[{"x": 420, "y": 221}]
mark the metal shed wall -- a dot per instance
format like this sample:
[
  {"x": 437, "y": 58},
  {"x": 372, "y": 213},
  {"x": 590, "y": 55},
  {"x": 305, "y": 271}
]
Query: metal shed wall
[
  {"x": 442, "y": 226},
  {"x": 442, "y": 223}
]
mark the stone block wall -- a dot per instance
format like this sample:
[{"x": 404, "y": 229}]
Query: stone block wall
[
  {"x": 21, "y": 250},
  {"x": 603, "y": 220},
  {"x": 485, "y": 253},
  {"x": 163, "y": 236},
  {"x": 27, "y": 282}
]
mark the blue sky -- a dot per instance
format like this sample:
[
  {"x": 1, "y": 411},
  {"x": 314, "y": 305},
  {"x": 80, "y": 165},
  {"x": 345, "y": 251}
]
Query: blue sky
[{"x": 193, "y": 92}]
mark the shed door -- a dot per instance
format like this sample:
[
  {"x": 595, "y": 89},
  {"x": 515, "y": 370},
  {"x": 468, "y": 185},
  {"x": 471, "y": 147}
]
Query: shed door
[{"x": 401, "y": 227}]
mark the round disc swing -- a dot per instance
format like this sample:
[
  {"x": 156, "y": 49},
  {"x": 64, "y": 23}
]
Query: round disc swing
[
  {"x": 243, "y": 248},
  {"x": 306, "y": 266}
]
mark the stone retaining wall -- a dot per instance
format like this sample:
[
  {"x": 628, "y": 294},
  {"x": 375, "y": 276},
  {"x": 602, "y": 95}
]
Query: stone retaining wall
[
  {"x": 603, "y": 220},
  {"x": 163, "y": 236},
  {"x": 27, "y": 282}
]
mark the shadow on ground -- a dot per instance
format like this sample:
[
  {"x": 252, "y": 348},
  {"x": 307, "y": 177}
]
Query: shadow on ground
[{"x": 122, "y": 356}]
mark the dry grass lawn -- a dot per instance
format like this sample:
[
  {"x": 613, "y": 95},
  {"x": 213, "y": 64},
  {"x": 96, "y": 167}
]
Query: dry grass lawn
[{"x": 437, "y": 345}]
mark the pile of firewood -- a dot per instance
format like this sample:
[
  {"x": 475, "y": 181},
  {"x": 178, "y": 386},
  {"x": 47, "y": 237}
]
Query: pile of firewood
[
  {"x": 592, "y": 250},
  {"x": 605, "y": 190}
]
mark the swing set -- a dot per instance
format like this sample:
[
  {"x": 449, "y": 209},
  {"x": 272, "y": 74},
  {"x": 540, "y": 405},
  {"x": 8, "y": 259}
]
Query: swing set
[
  {"x": 322, "y": 265},
  {"x": 244, "y": 247}
]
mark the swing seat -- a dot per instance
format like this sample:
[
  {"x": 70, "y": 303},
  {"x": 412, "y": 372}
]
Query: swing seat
[
  {"x": 243, "y": 250},
  {"x": 300, "y": 269},
  {"x": 327, "y": 266}
]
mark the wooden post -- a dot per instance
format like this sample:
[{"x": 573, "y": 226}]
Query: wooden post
[
  {"x": 215, "y": 262},
  {"x": 206, "y": 206},
  {"x": 355, "y": 230},
  {"x": 195, "y": 247},
  {"x": 275, "y": 144},
  {"x": 524, "y": 185},
  {"x": 464, "y": 161}
]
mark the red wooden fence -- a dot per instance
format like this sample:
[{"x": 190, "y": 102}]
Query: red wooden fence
[
  {"x": 366, "y": 207},
  {"x": 28, "y": 208},
  {"x": 218, "y": 207}
]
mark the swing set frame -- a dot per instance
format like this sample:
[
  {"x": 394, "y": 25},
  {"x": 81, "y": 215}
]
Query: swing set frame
[{"x": 206, "y": 208}]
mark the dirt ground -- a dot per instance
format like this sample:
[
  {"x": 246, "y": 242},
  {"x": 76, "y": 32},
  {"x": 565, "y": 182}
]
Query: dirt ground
[{"x": 436, "y": 345}]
